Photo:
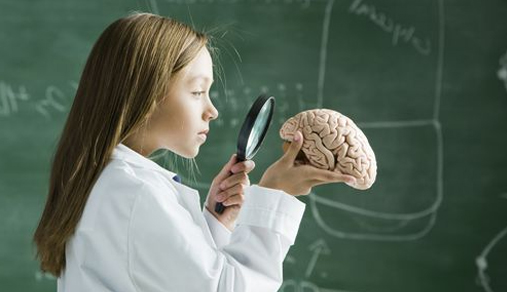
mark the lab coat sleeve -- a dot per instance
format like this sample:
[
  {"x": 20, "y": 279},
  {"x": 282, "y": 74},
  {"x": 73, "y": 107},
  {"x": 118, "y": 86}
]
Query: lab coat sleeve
[
  {"x": 220, "y": 233},
  {"x": 168, "y": 251}
]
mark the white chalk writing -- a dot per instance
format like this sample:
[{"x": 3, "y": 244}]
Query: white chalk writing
[
  {"x": 399, "y": 32},
  {"x": 14, "y": 99},
  {"x": 10, "y": 99}
]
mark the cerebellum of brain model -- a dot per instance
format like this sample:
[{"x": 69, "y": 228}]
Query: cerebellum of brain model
[{"x": 332, "y": 141}]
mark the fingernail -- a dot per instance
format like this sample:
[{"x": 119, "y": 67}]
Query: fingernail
[{"x": 296, "y": 137}]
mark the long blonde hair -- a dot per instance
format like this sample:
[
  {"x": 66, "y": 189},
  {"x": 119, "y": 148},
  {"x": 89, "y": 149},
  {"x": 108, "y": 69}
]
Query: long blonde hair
[{"x": 128, "y": 71}]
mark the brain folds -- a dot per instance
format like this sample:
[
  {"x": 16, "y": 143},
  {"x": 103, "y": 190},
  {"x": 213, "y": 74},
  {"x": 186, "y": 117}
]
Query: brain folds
[{"x": 333, "y": 141}]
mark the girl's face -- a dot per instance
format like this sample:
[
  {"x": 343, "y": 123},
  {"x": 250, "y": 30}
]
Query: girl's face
[{"x": 181, "y": 121}]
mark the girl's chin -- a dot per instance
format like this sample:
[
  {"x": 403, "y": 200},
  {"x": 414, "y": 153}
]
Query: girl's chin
[
  {"x": 191, "y": 153},
  {"x": 185, "y": 153}
]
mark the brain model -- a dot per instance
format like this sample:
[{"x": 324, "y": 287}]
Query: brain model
[{"x": 332, "y": 141}]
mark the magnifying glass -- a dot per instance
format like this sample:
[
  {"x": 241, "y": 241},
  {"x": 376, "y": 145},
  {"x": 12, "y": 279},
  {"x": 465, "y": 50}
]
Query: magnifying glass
[{"x": 253, "y": 131}]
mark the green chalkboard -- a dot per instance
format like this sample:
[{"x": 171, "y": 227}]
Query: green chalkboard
[{"x": 425, "y": 80}]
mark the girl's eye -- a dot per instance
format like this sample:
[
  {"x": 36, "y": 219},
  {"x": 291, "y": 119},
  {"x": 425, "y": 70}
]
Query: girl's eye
[{"x": 198, "y": 93}]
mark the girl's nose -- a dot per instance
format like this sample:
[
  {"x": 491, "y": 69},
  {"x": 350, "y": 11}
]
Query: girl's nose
[{"x": 212, "y": 113}]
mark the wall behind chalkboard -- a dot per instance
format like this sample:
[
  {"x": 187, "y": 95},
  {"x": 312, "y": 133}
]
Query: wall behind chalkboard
[{"x": 425, "y": 80}]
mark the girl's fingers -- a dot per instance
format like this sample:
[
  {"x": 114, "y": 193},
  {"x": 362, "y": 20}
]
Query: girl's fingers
[
  {"x": 238, "y": 178},
  {"x": 244, "y": 166},
  {"x": 316, "y": 182},
  {"x": 226, "y": 194},
  {"x": 225, "y": 172},
  {"x": 237, "y": 199},
  {"x": 290, "y": 156},
  {"x": 327, "y": 176}
]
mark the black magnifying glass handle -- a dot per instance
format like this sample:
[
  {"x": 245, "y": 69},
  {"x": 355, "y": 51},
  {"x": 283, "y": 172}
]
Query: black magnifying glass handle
[
  {"x": 252, "y": 132},
  {"x": 219, "y": 207}
]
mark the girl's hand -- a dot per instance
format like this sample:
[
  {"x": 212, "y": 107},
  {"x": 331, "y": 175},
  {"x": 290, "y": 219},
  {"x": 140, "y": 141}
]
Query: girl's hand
[
  {"x": 294, "y": 178},
  {"x": 229, "y": 190}
]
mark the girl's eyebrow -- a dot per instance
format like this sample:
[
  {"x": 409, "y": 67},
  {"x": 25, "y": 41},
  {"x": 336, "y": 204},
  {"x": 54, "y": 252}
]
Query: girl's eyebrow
[{"x": 202, "y": 77}]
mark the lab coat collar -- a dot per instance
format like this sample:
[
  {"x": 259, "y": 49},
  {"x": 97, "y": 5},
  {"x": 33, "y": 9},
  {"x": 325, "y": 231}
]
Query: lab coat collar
[
  {"x": 122, "y": 152},
  {"x": 189, "y": 197}
]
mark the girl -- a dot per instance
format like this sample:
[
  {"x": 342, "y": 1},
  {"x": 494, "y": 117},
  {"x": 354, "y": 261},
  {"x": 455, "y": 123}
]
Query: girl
[{"x": 116, "y": 221}]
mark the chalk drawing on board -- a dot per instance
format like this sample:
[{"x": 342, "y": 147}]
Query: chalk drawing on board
[
  {"x": 42, "y": 276},
  {"x": 302, "y": 3},
  {"x": 154, "y": 6},
  {"x": 481, "y": 261},
  {"x": 15, "y": 100},
  {"x": 399, "y": 33},
  {"x": 292, "y": 285},
  {"x": 290, "y": 259},
  {"x": 11, "y": 99},
  {"x": 397, "y": 220},
  {"x": 317, "y": 248},
  {"x": 502, "y": 71}
]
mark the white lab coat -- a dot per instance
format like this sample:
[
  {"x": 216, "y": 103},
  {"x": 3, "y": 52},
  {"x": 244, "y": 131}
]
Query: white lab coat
[{"x": 142, "y": 231}]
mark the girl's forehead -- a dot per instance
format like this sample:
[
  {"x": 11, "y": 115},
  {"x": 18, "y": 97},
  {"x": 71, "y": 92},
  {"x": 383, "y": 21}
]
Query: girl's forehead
[
  {"x": 202, "y": 63},
  {"x": 200, "y": 68}
]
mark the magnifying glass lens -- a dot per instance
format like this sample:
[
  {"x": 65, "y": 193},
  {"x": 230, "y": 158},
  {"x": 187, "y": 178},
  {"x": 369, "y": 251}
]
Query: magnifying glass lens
[
  {"x": 253, "y": 132},
  {"x": 258, "y": 130}
]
